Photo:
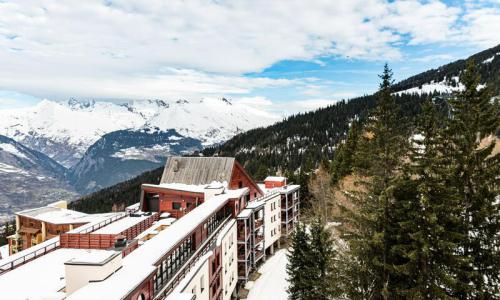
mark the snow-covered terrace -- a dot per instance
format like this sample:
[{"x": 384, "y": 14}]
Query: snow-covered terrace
[
  {"x": 140, "y": 264},
  {"x": 122, "y": 224},
  {"x": 282, "y": 190},
  {"x": 44, "y": 277},
  {"x": 57, "y": 215}
]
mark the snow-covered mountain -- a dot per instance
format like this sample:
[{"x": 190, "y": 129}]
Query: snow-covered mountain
[
  {"x": 123, "y": 154},
  {"x": 28, "y": 178},
  {"x": 64, "y": 131}
]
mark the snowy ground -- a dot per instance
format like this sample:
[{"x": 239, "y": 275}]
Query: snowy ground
[{"x": 272, "y": 283}]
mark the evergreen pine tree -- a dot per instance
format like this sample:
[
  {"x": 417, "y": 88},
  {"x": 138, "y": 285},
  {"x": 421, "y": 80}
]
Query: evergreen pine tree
[
  {"x": 369, "y": 225},
  {"x": 322, "y": 257},
  {"x": 426, "y": 209},
  {"x": 475, "y": 177},
  {"x": 343, "y": 160},
  {"x": 299, "y": 264}
]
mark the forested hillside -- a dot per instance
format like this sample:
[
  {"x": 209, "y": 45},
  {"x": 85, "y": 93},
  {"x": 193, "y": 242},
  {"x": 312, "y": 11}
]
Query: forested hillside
[
  {"x": 487, "y": 66},
  {"x": 298, "y": 144},
  {"x": 122, "y": 194}
]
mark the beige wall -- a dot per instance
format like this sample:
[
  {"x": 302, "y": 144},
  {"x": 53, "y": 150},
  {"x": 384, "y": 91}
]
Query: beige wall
[
  {"x": 199, "y": 280},
  {"x": 272, "y": 220},
  {"x": 229, "y": 262},
  {"x": 79, "y": 275}
]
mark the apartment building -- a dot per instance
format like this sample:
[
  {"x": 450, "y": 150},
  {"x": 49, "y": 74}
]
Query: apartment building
[{"x": 198, "y": 234}]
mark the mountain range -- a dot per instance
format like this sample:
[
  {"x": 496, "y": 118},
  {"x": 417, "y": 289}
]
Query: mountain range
[
  {"x": 95, "y": 144},
  {"x": 297, "y": 144},
  {"x": 83, "y": 146}
]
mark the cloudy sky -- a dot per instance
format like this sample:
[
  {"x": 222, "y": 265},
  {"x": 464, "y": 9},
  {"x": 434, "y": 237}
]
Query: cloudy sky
[{"x": 276, "y": 54}]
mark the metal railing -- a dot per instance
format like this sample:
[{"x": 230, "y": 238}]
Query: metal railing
[
  {"x": 36, "y": 251},
  {"x": 88, "y": 229},
  {"x": 208, "y": 245}
]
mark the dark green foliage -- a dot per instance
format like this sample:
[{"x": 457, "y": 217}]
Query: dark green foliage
[
  {"x": 427, "y": 228},
  {"x": 9, "y": 228},
  {"x": 297, "y": 268},
  {"x": 475, "y": 174},
  {"x": 489, "y": 72},
  {"x": 343, "y": 161},
  {"x": 428, "y": 214},
  {"x": 309, "y": 270},
  {"x": 126, "y": 193},
  {"x": 373, "y": 223}
]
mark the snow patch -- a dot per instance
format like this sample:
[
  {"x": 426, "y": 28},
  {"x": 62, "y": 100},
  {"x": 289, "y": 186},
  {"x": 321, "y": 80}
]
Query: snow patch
[
  {"x": 143, "y": 153},
  {"x": 12, "y": 150},
  {"x": 272, "y": 284}
]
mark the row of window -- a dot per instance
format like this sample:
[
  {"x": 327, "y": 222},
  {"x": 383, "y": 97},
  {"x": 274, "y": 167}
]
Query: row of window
[{"x": 172, "y": 263}]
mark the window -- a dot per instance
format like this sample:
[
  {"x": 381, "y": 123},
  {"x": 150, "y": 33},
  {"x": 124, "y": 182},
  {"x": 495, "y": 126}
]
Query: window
[
  {"x": 202, "y": 283},
  {"x": 240, "y": 184},
  {"x": 141, "y": 297},
  {"x": 176, "y": 205}
]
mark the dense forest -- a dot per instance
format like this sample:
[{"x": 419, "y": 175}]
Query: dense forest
[
  {"x": 297, "y": 145},
  {"x": 489, "y": 72},
  {"x": 407, "y": 211},
  {"x": 122, "y": 194}
]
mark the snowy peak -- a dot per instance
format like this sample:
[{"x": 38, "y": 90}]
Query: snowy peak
[{"x": 65, "y": 130}]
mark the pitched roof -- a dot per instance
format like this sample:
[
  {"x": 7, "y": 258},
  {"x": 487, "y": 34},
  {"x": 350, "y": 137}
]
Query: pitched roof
[{"x": 197, "y": 170}]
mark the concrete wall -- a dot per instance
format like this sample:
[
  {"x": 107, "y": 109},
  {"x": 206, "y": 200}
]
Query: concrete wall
[
  {"x": 79, "y": 275},
  {"x": 272, "y": 220},
  {"x": 229, "y": 262},
  {"x": 199, "y": 280}
]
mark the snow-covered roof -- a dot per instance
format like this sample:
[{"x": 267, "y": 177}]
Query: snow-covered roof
[
  {"x": 121, "y": 225},
  {"x": 177, "y": 293},
  {"x": 139, "y": 264},
  {"x": 134, "y": 206},
  {"x": 155, "y": 248},
  {"x": 282, "y": 189},
  {"x": 164, "y": 215},
  {"x": 288, "y": 188},
  {"x": 255, "y": 204},
  {"x": 275, "y": 178},
  {"x": 117, "y": 286},
  {"x": 238, "y": 193},
  {"x": 94, "y": 257},
  {"x": 56, "y": 215},
  {"x": 98, "y": 219},
  {"x": 245, "y": 213},
  {"x": 154, "y": 228},
  {"x": 193, "y": 188},
  {"x": 45, "y": 275}
]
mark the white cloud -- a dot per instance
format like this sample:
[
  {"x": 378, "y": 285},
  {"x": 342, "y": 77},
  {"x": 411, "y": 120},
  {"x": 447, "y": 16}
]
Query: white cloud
[{"x": 175, "y": 48}]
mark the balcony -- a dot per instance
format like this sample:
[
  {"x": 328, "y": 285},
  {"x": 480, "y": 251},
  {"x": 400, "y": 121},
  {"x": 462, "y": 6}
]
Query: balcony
[
  {"x": 258, "y": 255},
  {"x": 241, "y": 256},
  {"x": 258, "y": 223},
  {"x": 284, "y": 204},
  {"x": 258, "y": 239},
  {"x": 241, "y": 235}
]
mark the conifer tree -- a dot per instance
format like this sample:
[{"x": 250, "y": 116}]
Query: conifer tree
[
  {"x": 322, "y": 257},
  {"x": 475, "y": 117},
  {"x": 368, "y": 227},
  {"x": 298, "y": 265},
  {"x": 343, "y": 160},
  {"x": 426, "y": 209}
]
